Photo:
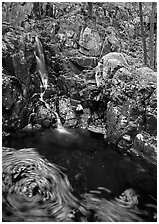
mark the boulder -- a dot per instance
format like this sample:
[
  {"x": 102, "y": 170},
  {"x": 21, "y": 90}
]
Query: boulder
[
  {"x": 132, "y": 105},
  {"x": 90, "y": 42},
  {"x": 107, "y": 67}
]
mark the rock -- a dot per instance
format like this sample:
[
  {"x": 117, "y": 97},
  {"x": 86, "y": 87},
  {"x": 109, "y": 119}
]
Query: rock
[
  {"x": 152, "y": 103},
  {"x": 67, "y": 112},
  {"x": 84, "y": 62},
  {"x": 146, "y": 146},
  {"x": 123, "y": 74},
  {"x": 120, "y": 88},
  {"x": 107, "y": 67},
  {"x": 145, "y": 98},
  {"x": 90, "y": 42},
  {"x": 72, "y": 84},
  {"x": 9, "y": 44},
  {"x": 79, "y": 108},
  {"x": 70, "y": 36},
  {"x": 69, "y": 83},
  {"x": 61, "y": 39},
  {"x": 69, "y": 66},
  {"x": 87, "y": 91},
  {"x": 146, "y": 76},
  {"x": 125, "y": 142},
  {"x": 14, "y": 106},
  {"x": 111, "y": 42},
  {"x": 18, "y": 58},
  {"x": 21, "y": 67},
  {"x": 54, "y": 49},
  {"x": 96, "y": 128},
  {"x": 84, "y": 118},
  {"x": 132, "y": 106},
  {"x": 151, "y": 124},
  {"x": 43, "y": 114},
  {"x": 119, "y": 125}
]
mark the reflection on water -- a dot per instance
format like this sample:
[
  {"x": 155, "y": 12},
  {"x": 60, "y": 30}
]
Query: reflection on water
[{"x": 36, "y": 190}]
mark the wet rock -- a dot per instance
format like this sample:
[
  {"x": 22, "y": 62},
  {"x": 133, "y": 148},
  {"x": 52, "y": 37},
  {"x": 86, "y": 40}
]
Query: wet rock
[
  {"x": 83, "y": 119},
  {"x": 67, "y": 112},
  {"x": 146, "y": 146},
  {"x": 151, "y": 124},
  {"x": 14, "y": 107},
  {"x": 125, "y": 142},
  {"x": 118, "y": 124},
  {"x": 43, "y": 114},
  {"x": 90, "y": 42},
  {"x": 97, "y": 128},
  {"x": 79, "y": 109}
]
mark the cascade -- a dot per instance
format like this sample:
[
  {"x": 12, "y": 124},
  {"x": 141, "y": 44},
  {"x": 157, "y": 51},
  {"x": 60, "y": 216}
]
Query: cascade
[
  {"x": 41, "y": 67},
  {"x": 40, "y": 59}
]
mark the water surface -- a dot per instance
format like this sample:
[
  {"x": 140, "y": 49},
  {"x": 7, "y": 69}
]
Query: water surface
[{"x": 90, "y": 163}]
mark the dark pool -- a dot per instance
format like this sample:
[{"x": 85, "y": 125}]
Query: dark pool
[{"x": 90, "y": 163}]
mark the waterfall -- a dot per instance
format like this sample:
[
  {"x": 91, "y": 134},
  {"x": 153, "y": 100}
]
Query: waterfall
[
  {"x": 40, "y": 60},
  {"x": 60, "y": 128}
]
